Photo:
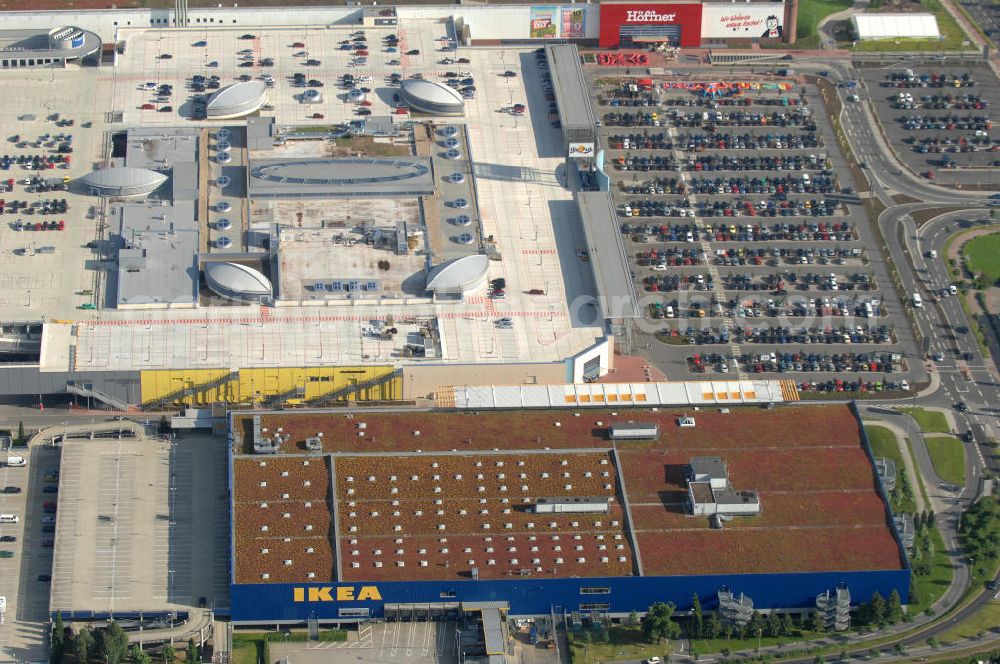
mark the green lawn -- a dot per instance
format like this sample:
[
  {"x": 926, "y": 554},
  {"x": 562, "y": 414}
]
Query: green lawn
[
  {"x": 948, "y": 457},
  {"x": 244, "y": 653},
  {"x": 931, "y": 586},
  {"x": 951, "y": 33},
  {"x": 624, "y": 642},
  {"x": 982, "y": 256},
  {"x": 884, "y": 444},
  {"x": 985, "y": 619},
  {"x": 929, "y": 421},
  {"x": 811, "y": 12},
  {"x": 708, "y": 646}
]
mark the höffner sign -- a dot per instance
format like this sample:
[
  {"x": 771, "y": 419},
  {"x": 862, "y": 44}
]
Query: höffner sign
[{"x": 648, "y": 16}]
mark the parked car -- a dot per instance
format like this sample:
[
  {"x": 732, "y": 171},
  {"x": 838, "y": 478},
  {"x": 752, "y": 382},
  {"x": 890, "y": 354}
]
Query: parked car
[
  {"x": 51, "y": 489},
  {"x": 200, "y": 44},
  {"x": 413, "y": 51},
  {"x": 312, "y": 63},
  {"x": 8, "y": 538},
  {"x": 248, "y": 36},
  {"x": 12, "y": 489}
]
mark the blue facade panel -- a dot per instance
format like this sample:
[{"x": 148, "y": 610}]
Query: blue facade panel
[{"x": 268, "y": 603}]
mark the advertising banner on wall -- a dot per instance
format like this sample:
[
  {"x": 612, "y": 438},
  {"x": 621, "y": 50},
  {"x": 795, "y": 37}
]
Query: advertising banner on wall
[
  {"x": 544, "y": 22},
  {"x": 616, "y": 16},
  {"x": 581, "y": 150},
  {"x": 747, "y": 21},
  {"x": 574, "y": 23}
]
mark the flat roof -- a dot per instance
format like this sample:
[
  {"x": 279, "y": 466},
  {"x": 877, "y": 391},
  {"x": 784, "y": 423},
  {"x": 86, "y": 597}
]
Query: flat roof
[
  {"x": 821, "y": 510},
  {"x": 157, "y": 253},
  {"x": 350, "y": 177},
  {"x": 612, "y": 273},
  {"x": 160, "y": 148},
  {"x": 112, "y": 526},
  {"x": 575, "y": 111}
]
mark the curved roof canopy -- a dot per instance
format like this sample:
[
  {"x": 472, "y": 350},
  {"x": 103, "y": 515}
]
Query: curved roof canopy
[
  {"x": 236, "y": 281},
  {"x": 124, "y": 181},
  {"x": 432, "y": 97},
  {"x": 236, "y": 100},
  {"x": 459, "y": 274}
]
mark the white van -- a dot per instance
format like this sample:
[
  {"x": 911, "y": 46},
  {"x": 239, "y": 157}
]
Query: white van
[
  {"x": 10, "y": 518},
  {"x": 16, "y": 461},
  {"x": 917, "y": 301}
]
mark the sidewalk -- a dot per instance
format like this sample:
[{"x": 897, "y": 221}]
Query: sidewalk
[{"x": 904, "y": 452}]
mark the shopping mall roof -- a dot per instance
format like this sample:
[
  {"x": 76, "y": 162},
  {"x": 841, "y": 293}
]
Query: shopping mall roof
[
  {"x": 460, "y": 490},
  {"x": 352, "y": 177},
  {"x": 156, "y": 255},
  {"x": 615, "y": 288},
  {"x": 41, "y": 45}
]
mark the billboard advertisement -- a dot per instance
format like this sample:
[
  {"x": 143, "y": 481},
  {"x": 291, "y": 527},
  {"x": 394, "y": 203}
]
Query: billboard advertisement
[
  {"x": 573, "y": 23},
  {"x": 544, "y": 23},
  {"x": 581, "y": 150},
  {"x": 685, "y": 17},
  {"x": 746, "y": 21}
]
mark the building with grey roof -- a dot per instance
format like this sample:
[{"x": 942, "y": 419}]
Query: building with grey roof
[
  {"x": 157, "y": 255},
  {"x": 431, "y": 97},
  {"x": 606, "y": 251},
  {"x": 55, "y": 48},
  {"x": 575, "y": 112}
]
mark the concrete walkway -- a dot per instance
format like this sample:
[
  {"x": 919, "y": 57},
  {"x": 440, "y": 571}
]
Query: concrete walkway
[{"x": 825, "y": 27}]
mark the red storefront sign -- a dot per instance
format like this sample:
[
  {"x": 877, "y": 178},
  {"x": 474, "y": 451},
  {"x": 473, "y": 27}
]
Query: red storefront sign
[{"x": 614, "y": 16}]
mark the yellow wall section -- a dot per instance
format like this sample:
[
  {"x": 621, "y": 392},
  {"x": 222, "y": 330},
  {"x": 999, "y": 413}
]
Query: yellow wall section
[{"x": 296, "y": 384}]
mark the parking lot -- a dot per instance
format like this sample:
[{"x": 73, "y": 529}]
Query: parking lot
[
  {"x": 24, "y": 576},
  {"x": 748, "y": 243},
  {"x": 425, "y": 642},
  {"x": 939, "y": 118}
]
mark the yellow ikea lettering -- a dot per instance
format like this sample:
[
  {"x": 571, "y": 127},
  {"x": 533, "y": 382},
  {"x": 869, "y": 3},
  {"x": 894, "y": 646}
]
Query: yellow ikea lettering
[
  {"x": 342, "y": 594},
  {"x": 320, "y": 594}
]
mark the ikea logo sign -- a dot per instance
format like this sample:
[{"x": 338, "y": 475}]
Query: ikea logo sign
[{"x": 336, "y": 594}]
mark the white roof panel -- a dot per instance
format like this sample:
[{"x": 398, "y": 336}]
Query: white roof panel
[{"x": 887, "y": 26}]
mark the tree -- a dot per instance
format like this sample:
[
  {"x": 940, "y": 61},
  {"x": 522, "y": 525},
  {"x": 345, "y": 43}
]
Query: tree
[
  {"x": 816, "y": 623},
  {"x": 112, "y": 644},
  {"x": 83, "y": 645},
  {"x": 633, "y": 618},
  {"x": 58, "y": 632},
  {"x": 894, "y": 609},
  {"x": 20, "y": 434},
  {"x": 876, "y": 609},
  {"x": 787, "y": 625},
  {"x": 697, "y": 622},
  {"x": 712, "y": 626},
  {"x": 757, "y": 624},
  {"x": 658, "y": 623},
  {"x": 773, "y": 624},
  {"x": 873, "y": 653},
  {"x": 164, "y": 427},
  {"x": 192, "y": 651},
  {"x": 168, "y": 654}
]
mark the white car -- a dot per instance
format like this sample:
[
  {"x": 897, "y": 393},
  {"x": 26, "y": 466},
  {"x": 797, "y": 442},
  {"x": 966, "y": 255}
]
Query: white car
[{"x": 652, "y": 660}]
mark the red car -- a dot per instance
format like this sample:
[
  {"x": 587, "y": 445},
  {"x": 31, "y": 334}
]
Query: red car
[
  {"x": 298, "y": 45},
  {"x": 147, "y": 107},
  {"x": 536, "y": 291},
  {"x": 316, "y": 116}
]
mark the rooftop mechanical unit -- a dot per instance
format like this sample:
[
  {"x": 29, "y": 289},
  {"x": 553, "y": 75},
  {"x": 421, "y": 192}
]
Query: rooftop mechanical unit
[
  {"x": 571, "y": 504},
  {"x": 634, "y": 431}
]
